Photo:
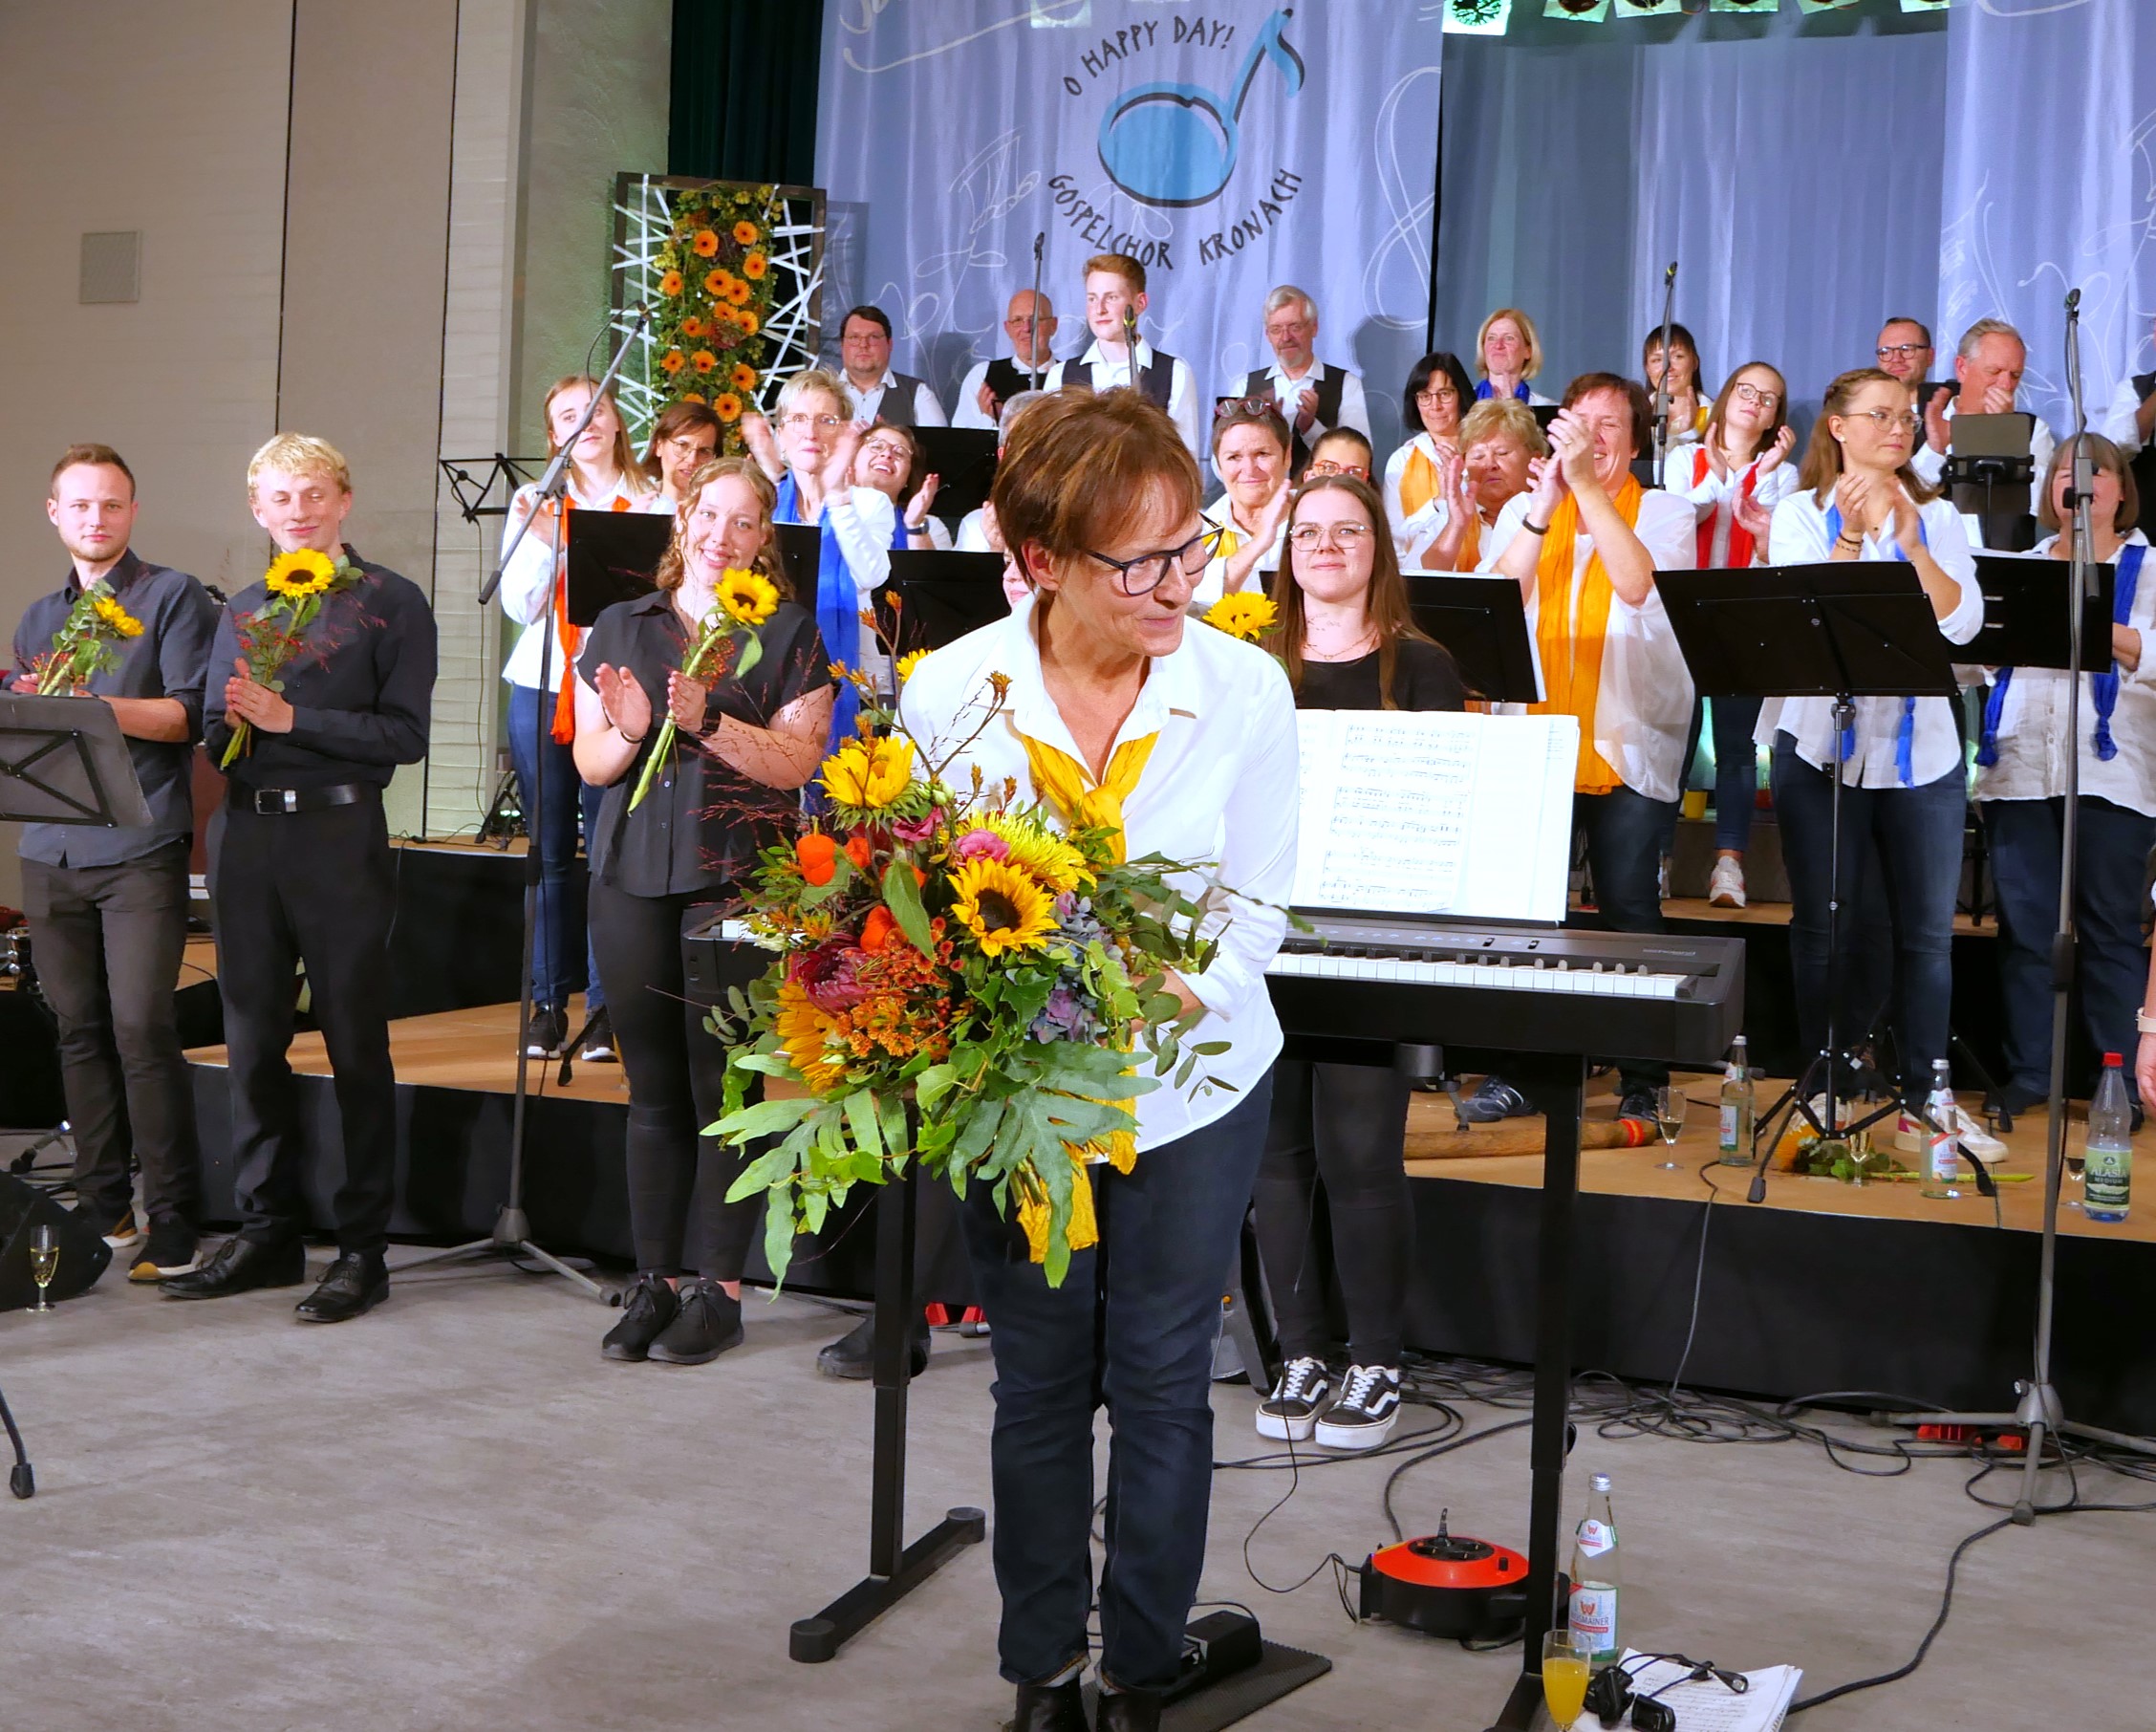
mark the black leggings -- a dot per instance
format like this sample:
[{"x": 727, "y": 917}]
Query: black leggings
[
  {"x": 677, "y": 1181},
  {"x": 1347, "y": 1125}
]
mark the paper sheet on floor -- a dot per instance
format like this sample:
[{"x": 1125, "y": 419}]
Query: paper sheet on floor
[{"x": 1711, "y": 1706}]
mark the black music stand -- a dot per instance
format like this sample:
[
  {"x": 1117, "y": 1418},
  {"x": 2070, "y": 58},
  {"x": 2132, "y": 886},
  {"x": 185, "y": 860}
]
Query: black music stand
[
  {"x": 942, "y": 597},
  {"x": 964, "y": 461},
  {"x": 800, "y": 553},
  {"x": 64, "y": 761},
  {"x": 2025, "y": 618},
  {"x": 1483, "y": 623},
  {"x": 1844, "y": 630}
]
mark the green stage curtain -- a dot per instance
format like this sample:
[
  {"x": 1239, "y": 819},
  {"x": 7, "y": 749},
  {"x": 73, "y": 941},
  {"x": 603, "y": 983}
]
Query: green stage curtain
[{"x": 745, "y": 90}]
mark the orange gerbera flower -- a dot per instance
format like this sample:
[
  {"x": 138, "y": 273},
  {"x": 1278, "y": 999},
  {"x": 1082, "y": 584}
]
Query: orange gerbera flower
[
  {"x": 715, "y": 281},
  {"x": 691, "y": 326},
  {"x": 745, "y": 317},
  {"x": 743, "y": 377},
  {"x": 744, "y": 233},
  {"x": 727, "y": 407},
  {"x": 755, "y": 265},
  {"x": 706, "y": 244},
  {"x": 692, "y": 396},
  {"x": 703, "y": 360},
  {"x": 670, "y": 283},
  {"x": 672, "y": 360},
  {"x": 738, "y": 291}
]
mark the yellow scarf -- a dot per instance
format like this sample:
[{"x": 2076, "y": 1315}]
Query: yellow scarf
[
  {"x": 1064, "y": 783},
  {"x": 1418, "y": 482},
  {"x": 1571, "y": 646}
]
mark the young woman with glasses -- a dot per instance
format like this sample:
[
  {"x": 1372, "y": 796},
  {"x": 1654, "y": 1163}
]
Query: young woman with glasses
[
  {"x": 1422, "y": 475},
  {"x": 1735, "y": 476},
  {"x": 1900, "y": 766},
  {"x": 890, "y": 461},
  {"x": 1342, "y": 451},
  {"x": 683, "y": 438}
]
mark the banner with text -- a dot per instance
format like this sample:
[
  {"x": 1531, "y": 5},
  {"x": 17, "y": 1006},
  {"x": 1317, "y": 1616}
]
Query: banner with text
[{"x": 1229, "y": 148}]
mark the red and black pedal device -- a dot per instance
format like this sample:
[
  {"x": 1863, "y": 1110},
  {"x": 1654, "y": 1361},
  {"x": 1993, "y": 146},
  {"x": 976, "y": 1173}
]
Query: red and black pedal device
[{"x": 1448, "y": 1585}]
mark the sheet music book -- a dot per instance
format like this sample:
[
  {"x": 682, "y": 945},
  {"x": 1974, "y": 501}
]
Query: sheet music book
[
  {"x": 1711, "y": 1706},
  {"x": 1433, "y": 811}
]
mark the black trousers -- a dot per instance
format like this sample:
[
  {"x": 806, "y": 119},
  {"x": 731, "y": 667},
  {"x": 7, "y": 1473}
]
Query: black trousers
[
  {"x": 107, "y": 941},
  {"x": 678, "y": 1215},
  {"x": 316, "y": 888},
  {"x": 1344, "y": 1126}
]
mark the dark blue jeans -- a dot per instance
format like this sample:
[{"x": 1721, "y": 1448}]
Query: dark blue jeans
[
  {"x": 1918, "y": 834},
  {"x": 1624, "y": 834},
  {"x": 1132, "y": 1329},
  {"x": 1737, "y": 766},
  {"x": 2112, "y": 856},
  {"x": 562, "y": 798}
]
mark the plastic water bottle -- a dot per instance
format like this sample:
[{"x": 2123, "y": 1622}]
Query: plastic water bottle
[
  {"x": 2107, "y": 1161},
  {"x": 1736, "y": 1109},
  {"x": 1594, "y": 1610},
  {"x": 1940, "y": 1164}
]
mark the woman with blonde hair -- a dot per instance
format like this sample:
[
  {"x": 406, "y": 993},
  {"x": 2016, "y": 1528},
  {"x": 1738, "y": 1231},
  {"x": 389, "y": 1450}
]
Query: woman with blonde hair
[
  {"x": 1508, "y": 353},
  {"x": 1500, "y": 446},
  {"x": 604, "y": 475},
  {"x": 745, "y": 744}
]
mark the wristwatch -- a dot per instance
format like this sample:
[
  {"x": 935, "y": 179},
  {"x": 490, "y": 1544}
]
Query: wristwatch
[{"x": 2145, "y": 1022}]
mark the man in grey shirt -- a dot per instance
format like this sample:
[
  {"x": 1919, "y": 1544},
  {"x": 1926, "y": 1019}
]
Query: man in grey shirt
[{"x": 108, "y": 908}]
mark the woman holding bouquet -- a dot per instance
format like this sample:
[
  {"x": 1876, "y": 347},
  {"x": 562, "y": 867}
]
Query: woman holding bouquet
[
  {"x": 1100, "y": 694},
  {"x": 684, "y": 813}
]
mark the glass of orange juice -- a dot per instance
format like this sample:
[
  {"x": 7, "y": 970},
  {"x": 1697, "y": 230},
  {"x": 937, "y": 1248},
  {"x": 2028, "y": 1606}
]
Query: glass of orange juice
[{"x": 1564, "y": 1676}]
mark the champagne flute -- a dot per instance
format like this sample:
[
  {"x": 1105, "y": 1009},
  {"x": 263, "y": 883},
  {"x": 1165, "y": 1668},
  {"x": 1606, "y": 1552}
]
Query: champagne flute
[
  {"x": 1566, "y": 1664},
  {"x": 1669, "y": 1116},
  {"x": 44, "y": 1262}
]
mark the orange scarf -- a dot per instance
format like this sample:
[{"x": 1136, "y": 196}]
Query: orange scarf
[
  {"x": 1471, "y": 543},
  {"x": 568, "y": 638},
  {"x": 1571, "y": 645},
  {"x": 1418, "y": 482}
]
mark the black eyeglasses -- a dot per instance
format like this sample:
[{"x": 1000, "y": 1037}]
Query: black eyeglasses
[
  {"x": 1887, "y": 351},
  {"x": 1147, "y": 571}
]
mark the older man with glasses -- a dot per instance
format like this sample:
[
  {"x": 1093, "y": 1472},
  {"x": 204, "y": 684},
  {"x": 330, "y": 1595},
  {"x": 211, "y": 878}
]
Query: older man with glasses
[
  {"x": 1313, "y": 398},
  {"x": 1029, "y": 327}
]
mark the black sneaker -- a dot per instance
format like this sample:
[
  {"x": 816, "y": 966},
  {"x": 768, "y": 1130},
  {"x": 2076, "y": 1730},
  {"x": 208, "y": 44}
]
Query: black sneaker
[
  {"x": 545, "y": 1033},
  {"x": 708, "y": 1322},
  {"x": 596, "y": 1047},
  {"x": 852, "y": 1355},
  {"x": 1637, "y": 1103},
  {"x": 173, "y": 1249},
  {"x": 125, "y": 1233},
  {"x": 647, "y": 1306},
  {"x": 1495, "y": 1099},
  {"x": 1290, "y": 1412},
  {"x": 1363, "y": 1416}
]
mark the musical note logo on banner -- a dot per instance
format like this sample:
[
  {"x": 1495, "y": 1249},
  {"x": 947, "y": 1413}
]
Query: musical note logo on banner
[{"x": 1175, "y": 144}]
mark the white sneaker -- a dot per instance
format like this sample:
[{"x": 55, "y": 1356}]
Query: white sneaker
[
  {"x": 1363, "y": 1416},
  {"x": 1290, "y": 1412},
  {"x": 1725, "y": 889},
  {"x": 1975, "y": 1139}
]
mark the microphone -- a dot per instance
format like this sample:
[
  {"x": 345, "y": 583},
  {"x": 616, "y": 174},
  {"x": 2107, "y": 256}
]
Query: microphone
[
  {"x": 1670, "y": 275},
  {"x": 1040, "y": 241},
  {"x": 2073, "y": 303}
]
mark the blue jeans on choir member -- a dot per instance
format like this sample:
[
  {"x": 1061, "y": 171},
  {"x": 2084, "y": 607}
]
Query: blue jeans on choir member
[
  {"x": 2112, "y": 856},
  {"x": 1736, "y": 770},
  {"x": 1918, "y": 833},
  {"x": 1625, "y": 833},
  {"x": 546, "y": 773},
  {"x": 1132, "y": 1329}
]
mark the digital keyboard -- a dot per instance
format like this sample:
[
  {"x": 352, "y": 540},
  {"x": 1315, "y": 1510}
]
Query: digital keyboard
[{"x": 1510, "y": 988}]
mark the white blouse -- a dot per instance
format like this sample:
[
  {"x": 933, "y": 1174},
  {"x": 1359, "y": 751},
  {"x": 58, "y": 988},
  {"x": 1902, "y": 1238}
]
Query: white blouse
[
  {"x": 1686, "y": 476},
  {"x": 2030, "y": 726},
  {"x": 1413, "y": 531},
  {"x": 1220, "y": 786},
  {"x": 1213, "y": 582},
  {"x": 527, "y": 581},
  {"x": 1800, "y": 537}
]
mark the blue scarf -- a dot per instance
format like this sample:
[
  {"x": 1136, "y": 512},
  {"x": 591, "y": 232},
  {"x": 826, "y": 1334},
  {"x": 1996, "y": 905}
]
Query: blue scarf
[
  {"x": 1904, "y": 737},
  {"x": 838, "y": 606},
  {"x": 1483, "y": 393},
  {"x": 2103, "y": 688}
]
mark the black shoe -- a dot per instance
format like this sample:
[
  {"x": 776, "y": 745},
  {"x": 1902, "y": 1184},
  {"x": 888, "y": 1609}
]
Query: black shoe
[
  {"x": 2016, "y": 1098},
  {"x": 546, "y": 1033},
  {"x": 173, "y": 1249},
  {"x": 1495, "y": 1099},
  {"x": 1050, "y": 1708},
  {"x": 597, "y": 1048},
  {"x": 647, "y": 1306},
  {"x": 1637, "y": 1103},
  {"x": 707, "y": 1323},
  {"x": 1129, "y": 1711},
  {"x": 852, "y": 1355},
  {"x": 356, "y": 1283},
  {"x": 240, "y": 1267}
]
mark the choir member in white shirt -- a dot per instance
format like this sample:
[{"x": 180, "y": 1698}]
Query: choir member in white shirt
[
  {"x": 2130, "y": 425},
  {"x": 1735, "y": 476},
  {"x": 877, "y": 393},
  {"x": 1500, "y": 441},
  {"x": 890, "y": 460},
  {"x": 1584, "y": 545},
  {"x": 1420, "y": 475},
  {"x": 1860, "y": 498},
  {"x": 604, "y": 475},
  {"x": 1030, "y": 327},
  {"x": 1508, "y": 353},
  {"x": 683, "y": 438},
  {"x": 1989, "y": 366},
  {"x": 1314, "y": 398},
  {"x": 2029, "y": 728},
  {"x": 1116, "y": 708},
  {"x": 1115, "y": 299},
  {"x": 1250, "y": 456},
  {"x": 1687, "y": 410},
  {"x": 977, "y": 532}
]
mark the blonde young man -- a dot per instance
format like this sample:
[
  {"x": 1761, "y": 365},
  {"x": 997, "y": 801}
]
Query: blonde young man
[
  {"x": 1115, "y": 299},
  {"x": 301, "y": 876}
]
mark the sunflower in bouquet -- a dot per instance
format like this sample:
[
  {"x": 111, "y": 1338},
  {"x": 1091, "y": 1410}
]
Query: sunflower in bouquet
[{"x": 955, "y": 980}]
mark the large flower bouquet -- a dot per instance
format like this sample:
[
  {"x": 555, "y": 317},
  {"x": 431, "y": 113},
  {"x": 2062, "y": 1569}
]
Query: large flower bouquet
[
  {"x": 272, "y": 636},
  {"x": 958, "y": 981},
  {"x": 715, "y": 294},
  {"x": 88, "y": 643}
]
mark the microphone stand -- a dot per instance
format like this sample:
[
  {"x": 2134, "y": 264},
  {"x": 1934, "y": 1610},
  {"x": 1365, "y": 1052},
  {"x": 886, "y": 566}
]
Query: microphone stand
[
  {"x": 511, "y": 1237},
  {"x": 1035, "y": 371},
  {"x": 1662, "y": 385}
]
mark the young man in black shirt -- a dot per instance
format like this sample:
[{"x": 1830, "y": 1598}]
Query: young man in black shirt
[
  {"x": 108, "y": 908},
  {"x": 301, "y": 873}
]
